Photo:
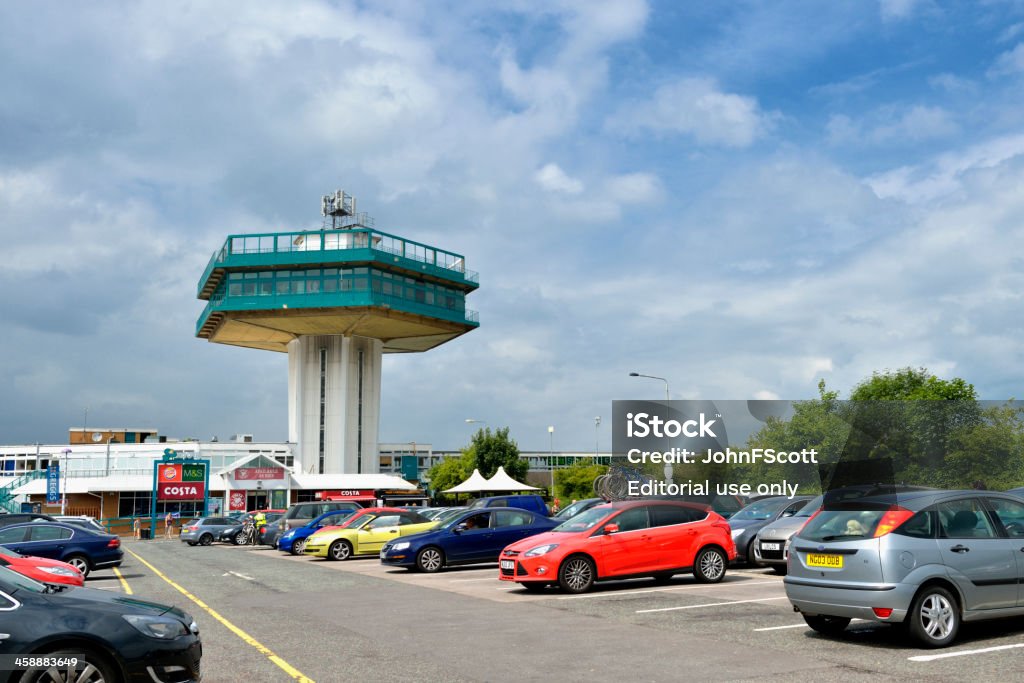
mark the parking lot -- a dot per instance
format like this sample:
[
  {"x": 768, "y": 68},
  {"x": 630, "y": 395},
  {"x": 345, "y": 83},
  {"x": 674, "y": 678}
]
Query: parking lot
[{"x": 268, "y": 616}]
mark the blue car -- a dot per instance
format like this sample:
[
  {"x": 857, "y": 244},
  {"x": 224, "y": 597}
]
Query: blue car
[
  {"x": 471, "y": 537},
  {"x": 294, "y": 540},
  {"x": 85, "y": 550}
]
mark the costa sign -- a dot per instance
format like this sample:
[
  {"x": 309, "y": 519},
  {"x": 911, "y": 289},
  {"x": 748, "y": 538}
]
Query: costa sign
[
  {"x": 180, "y": 481},
  {"x": 190, "y": 490}
]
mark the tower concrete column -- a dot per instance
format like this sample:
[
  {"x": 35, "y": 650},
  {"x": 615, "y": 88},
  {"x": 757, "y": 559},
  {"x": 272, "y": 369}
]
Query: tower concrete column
[{"x": 334, "y": 402}]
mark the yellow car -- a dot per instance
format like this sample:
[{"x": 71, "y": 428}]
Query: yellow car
[{"x": 366, "y": 536}]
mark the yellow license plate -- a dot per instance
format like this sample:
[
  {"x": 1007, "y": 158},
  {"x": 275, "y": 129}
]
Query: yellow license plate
[{"x": 830, "y": 561}]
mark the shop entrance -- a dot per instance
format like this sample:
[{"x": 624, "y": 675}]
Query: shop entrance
[{"x": 256, "y": 500}]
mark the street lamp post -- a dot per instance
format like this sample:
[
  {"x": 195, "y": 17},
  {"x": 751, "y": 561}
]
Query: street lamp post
[
  {"x": 64, "y": 492},
  {"x": 668, "y": 396},
  {"x": 597, "y": 438},
  {"x": 551, "y": 457}
]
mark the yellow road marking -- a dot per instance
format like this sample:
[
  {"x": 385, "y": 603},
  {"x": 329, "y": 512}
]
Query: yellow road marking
[
  {"x": 124, "y": 584},
  {"x": 285, "y": 666}
]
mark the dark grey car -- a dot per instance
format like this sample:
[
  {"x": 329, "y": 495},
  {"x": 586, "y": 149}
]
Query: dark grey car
[
  {"x": 929, "y": 559},
  {"x": 747, "y": 522},
  {"x": 205, "y": 530}
]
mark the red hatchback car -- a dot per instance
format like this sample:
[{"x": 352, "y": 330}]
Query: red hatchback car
[
  {"x": 41, "y": 569},
  {"x": 656, "y": 538}
]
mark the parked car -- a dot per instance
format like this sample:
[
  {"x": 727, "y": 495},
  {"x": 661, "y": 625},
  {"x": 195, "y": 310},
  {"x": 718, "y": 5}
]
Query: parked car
[
  {"x": 576, "y": 508},
  {"x": 22, "y": 517},
  {"x": 41, "y": 569},
  {"x": 747, "y": 522},
  {"x": 928, "y": 559},
  {"x": 205, "y": 530},
  {"x": 301, "y": 514},
  {"x": 113, "y": 638},
  {"x": 365, "y": 536},
  {"x": 529, "y": 501},
  {"x": 294, "y": 540},
  {"x": 82, "y": 549},
  {"x": 85, "y": 521},
  {"x": 771, "y": 546},
  {"x": 656, "y": 538},
  {"x": 477, "y": 535}
]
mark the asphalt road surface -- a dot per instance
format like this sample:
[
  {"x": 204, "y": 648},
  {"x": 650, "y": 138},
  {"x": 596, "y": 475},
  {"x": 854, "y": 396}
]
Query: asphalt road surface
[{"x": 266, "y": 616}]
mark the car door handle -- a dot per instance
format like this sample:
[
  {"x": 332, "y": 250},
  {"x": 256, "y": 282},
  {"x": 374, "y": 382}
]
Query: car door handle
[{"x": 960, "y": 549}]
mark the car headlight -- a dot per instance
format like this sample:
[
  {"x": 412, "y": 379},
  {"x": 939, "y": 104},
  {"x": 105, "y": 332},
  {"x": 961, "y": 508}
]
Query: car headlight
[
  {"x": 161, "y": 628},
  {"x": 540, "y": 550},
  {"x": 736, "y": 532},
  {"x": 400, "y": 546},
  {"x": 60, "y": 571}
]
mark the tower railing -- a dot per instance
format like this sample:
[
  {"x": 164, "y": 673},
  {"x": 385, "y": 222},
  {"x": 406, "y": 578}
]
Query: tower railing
[{"x": 338, "y": 241}]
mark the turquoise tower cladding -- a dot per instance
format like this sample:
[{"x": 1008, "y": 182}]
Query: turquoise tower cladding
[{"x": 335, "y": 300}]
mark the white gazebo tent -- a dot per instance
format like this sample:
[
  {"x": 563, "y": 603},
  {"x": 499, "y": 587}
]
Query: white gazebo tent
[
  {"x": 501, "y": 481},
  {"x": 475, "y": 484}
]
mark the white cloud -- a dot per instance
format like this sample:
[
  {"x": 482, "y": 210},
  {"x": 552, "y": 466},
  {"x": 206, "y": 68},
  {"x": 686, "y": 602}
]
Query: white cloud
[
  {"x": 698, "y": 108},
  {"x": 892, "y": 125},
  {"x": 553, "y": 179},
  {"x": 1009, "y": 62},
  {"x": 634, "y": 188},
  {"x": 897, "y": 10}
]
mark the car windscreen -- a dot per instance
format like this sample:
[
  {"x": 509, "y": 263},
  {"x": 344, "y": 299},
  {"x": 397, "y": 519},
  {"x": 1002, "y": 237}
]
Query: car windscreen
[
  {"x": 584, "y": 521},
  {"x": 761, "y": 510}
]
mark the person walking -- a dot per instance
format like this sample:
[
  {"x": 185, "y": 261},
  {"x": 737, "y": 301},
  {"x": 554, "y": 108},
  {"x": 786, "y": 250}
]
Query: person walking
[
  {"x": 137, "y": 527},
  {"x": 169, "y": 526}
]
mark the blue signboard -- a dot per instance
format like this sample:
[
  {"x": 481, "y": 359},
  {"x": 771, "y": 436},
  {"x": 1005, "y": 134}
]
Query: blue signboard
[{"x": 53, "y": 484}]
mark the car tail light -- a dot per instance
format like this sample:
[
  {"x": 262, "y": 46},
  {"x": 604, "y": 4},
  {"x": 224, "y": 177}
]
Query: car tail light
[
  {"x": 892, "y": 520},
  {"x": 882, "y": 612},
  {"x": 114, "y": 543}
]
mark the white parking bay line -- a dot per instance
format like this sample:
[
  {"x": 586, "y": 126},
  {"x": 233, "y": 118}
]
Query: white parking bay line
[
  {"x": 708, "y": 604},
  {"x": 777, "y": 628},
  {"x": 613, "y": 594},
  {"x": 489, "y": 578},
  {"x": 961, "y": 653}
]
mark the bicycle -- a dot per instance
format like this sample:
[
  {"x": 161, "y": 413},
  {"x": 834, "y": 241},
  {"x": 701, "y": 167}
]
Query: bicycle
[{"x": 247, "y": 536}]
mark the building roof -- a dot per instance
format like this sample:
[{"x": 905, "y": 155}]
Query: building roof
[{"x": 351, "y": 481}]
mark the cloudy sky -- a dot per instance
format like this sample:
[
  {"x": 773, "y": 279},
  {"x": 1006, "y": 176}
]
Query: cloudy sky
[{"x": 740, "y": 197}]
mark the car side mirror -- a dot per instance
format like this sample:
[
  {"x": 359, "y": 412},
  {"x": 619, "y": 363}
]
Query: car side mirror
[{"x": 611, "y": 528}]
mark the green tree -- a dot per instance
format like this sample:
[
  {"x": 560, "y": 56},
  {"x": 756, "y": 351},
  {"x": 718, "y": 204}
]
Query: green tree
[
  {"x": 577, "y": 481},
  {"x": 448, "y": 473},
  {"x": 910, "y": 418},
  {"x": 490, "y": 450}
]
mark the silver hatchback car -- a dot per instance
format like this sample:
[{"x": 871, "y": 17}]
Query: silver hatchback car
[{"x": 927, "y": 559}]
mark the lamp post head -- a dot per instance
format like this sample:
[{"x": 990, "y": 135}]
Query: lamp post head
[
  {"x": 634, "y": 374},
  {"x": 551, "y": 429}
]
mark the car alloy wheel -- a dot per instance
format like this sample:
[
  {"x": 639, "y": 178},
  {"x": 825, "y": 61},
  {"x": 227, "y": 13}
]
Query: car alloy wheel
[
  {"x": 239, "y": 538},
  {"x": 79, "y": 563},
  {"x": 576, "y": 575},
  {"x": 206, "y": 539},
  {"x": 299, "y": 546},
  {"x": 934, "y": 617},
  {"x": 429, "y": 560},
  {"x": 339, "y": 550},
  {"x": 709, "y": 566},
  {"x": 90, "y": 669}
]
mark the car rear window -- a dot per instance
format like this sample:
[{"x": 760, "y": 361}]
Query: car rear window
[{"x": 840, "y": 525}]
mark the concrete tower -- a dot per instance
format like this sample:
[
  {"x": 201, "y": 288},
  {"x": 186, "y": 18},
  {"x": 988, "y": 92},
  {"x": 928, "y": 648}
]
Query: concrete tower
[{"x": 335, "y": 300}]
